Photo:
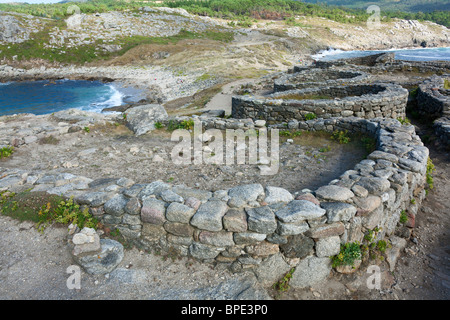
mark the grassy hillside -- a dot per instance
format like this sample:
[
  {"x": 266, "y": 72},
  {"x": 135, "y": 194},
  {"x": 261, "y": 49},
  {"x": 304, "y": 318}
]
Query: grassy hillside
[
  {"x": 392, "y": 5},
  {"x": 432, "y": 10},
  {"x": 350, "y": 11}
]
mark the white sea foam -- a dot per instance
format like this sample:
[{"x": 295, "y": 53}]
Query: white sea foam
[
  {"x": 415, "y": 54},
  {"x": 115, "y": 99},
  {"x": 325, "y": 53}
]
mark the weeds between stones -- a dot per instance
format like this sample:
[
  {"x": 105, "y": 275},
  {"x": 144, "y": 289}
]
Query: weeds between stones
[
  {"x": 6, "y": 152},
  {"x": 45, "y": 209}
]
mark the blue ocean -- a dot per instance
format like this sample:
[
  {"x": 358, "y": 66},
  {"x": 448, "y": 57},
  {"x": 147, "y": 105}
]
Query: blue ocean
[
  {"x": 48, "y": 96},
  {"x": 423, "y": 54}
]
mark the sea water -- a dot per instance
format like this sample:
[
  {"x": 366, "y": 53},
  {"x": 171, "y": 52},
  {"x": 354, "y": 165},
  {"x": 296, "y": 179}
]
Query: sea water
[
  {"x": 48, "y": 96},
  {"x": 423, "y": 54}
]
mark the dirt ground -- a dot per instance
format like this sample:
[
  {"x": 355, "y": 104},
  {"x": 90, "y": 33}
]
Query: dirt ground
[{"x": 310, "y": 161}]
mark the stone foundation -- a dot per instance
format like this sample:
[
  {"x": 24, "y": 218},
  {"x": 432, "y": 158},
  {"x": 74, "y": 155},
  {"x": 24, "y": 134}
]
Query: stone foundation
[
  {"x": 251, "y": 227},
  {"x": 433, "y": 102},
  {"x": 317, "y": 77},
  {"x": 358, "y": 100}
]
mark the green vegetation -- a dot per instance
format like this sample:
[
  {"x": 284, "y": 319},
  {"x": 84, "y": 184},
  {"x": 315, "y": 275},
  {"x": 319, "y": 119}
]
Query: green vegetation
[
  {"x": 447, "y": 84},
  {"x": 430, "y": 170},
  {"x": 325, "y": 149},
  {"x": 341, "y": 136},
  {"x": 67, "y": 212},
  {"x": 86, "y": 129},
  {"x": 404, "y": 120},
  {"x": 368, "y": 143},
  {"x": 266, "y": 9},
  {"x": 350, "y": 252},
  {"x": 310, "y": 116},
  {"x": 185, "y": 124},
  {"x": 283, "y": 284},
  {"x": 158, "y": 125},
  {"x": 243, "y": 11},
  {"x": 432, "y": 10},
  {"x": 403, "y": 217},
  {"x": 44, "y": 209},
  {"x": 372, "y": 248},
  {"x": 60, "y": 10},
  {"x": 5, "y": 152},
  {"x": 35, "y": 47}
]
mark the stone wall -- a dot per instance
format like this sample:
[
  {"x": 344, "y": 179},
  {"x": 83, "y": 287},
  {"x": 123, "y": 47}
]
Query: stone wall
[
  {"x": 263, "y": 229},
  {"x": 317, "y": 77},
  {"x": 433, "y": 102},
  {"x": 364, "y": 101}
]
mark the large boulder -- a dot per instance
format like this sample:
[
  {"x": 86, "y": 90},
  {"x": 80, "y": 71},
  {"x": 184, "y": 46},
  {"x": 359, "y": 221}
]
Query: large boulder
[{"x": 142, "y": 119}]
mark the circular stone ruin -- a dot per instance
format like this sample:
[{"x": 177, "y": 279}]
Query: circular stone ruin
[
  {"x": 433, "y": 102},
  {"x": 304, "y": 78},
  {"x": 360, "y": 100},
  {"x": 267, "y": 230}
]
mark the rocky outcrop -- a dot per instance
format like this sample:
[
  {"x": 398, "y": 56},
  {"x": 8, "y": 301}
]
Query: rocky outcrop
[
  {"x": 142, "y": 119},
  {"x": 11, "y": 30}
]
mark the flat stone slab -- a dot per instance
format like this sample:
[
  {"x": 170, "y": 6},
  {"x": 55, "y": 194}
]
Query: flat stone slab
[
  {"x": 105, "y": 261},
  {"x": 299, "y": 210},
  {"x": 334, "y": 193}
]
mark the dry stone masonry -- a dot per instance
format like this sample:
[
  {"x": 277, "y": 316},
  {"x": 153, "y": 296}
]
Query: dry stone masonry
[
  {"x": 358, "y": 100},
  {"x": 307, "y": 78},
  {"x": 264, "y": 229},
  {"x": 433, "y": 102},
  {"x": 250, "y": 227}
]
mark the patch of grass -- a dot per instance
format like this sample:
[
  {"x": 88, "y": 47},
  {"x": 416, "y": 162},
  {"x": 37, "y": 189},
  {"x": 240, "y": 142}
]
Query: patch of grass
[
  {"x": 186, "y": 124},
  {"x": 369, "y": 143},
  {"x": 35, "y": 48},
  {"x": 447, "y": 84},
  {"x": 404, "y": 121},
  {"x": 429, "y": 175},
  {"x": 203, "y": 77},
  {"x": 67, "y": 212},
  {"x": 158, "y": 125},
  {"x": 350, "y": 252},
  {"x": 341, "y": 136},
  {"x": 403, "y": 217},
  {"x": 310, "y": 116},
  {"x": 45, "y": 209},
  {"x": 6, "y": 152},
  {"x": 86, "y": 129},
  {"x": 283, "y": 284},
  {"x": 325, "y": 149}
]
